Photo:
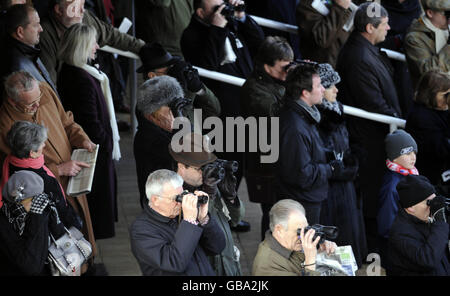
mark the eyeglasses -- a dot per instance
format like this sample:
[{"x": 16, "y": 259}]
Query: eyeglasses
[
  {"x": 171, "y": 198},
  {"x": 29, "y": 106}
]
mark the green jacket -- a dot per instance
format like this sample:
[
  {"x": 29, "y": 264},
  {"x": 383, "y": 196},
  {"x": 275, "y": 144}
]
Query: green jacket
[
  {"x": 420, "y": 51},
  {"x": 272, "y": 259},
  {"x": 222, "y": 210},
  {"x": 163, "y": 21},
  {"x": 261, "y": 97},
  {"x": 106, "y": 35}
]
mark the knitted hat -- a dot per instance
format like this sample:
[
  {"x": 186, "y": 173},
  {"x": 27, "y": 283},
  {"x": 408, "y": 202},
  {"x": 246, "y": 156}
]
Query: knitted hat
[
  {"x": 154, "y": 56},
  {"x": 157, "y": 92},
  {"x": 191, "y": 157},
  {"x": 413, "y": 189},
  {"x": 398, "y": 143},
  {"x": 22, "y": 185},
  {"x": 328, "y": 76}
]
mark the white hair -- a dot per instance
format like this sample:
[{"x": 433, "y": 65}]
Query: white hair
[
  {"x": 281, "y": 211},
  {"x": 156, "y": 181}
]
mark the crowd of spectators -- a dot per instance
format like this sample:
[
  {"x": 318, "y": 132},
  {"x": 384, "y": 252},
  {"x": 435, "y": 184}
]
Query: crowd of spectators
[{"x": 384, "y": 190}]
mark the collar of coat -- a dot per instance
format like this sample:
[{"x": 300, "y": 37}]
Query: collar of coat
[
  {"x": 29, "y": 51},
  {"x": 413, "y": 219},
  {"x": 312, "y": 114},
  {"x": 276, "y": 246},
  {"x": 154, "y": 215}
]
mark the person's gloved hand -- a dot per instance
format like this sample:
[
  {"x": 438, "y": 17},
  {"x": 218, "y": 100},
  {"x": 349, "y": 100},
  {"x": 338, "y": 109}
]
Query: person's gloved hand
[
  {"x": 337, "y": 167},
  {"x": 194, "y": 84},
  {"x": 39, "y": 203},
  {"x": 437, "y": 208},
  {"x": 177, "y": 72},
  {"x": 211, "y": 177},
  {"x": 350, "y": 159},
  {"x": 347, "y": 174},
  {"x": 177, "y": 106}
]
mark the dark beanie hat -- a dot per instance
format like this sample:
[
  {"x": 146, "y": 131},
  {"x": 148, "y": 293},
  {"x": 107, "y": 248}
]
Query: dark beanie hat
[
  {"x": 398, "y": 143},
  {"x": 413, "y": 189}
]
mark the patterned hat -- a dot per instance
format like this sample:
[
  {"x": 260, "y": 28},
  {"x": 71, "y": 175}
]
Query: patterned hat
[
  {"x": 439, "y": 5},
  {"x": 328, "y": 76}
]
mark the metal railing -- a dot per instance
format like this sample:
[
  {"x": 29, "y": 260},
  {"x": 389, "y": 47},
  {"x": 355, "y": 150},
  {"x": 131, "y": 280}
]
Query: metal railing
[
  {"x": 294, "y": 30},
  {"x": 393, "y": 122}
]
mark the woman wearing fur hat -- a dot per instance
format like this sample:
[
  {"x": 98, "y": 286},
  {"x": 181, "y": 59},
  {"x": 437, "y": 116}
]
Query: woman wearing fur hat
[
  {"x": 85, "y": 91},
  {"x": 340, "y": 208}
]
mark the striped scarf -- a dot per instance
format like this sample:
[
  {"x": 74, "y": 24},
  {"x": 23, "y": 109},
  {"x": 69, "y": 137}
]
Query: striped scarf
[{"x": 395, "y": 167}]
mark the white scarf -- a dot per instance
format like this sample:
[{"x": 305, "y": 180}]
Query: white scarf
[
  {"x": 441, "y": 35},
  {"x": 230, "y": 56},
  {"x": 104, "y": 82}
]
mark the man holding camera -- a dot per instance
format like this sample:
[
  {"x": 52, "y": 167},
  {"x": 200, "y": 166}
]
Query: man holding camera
[
  {"x": 419, "y": 236},
  {"x": 203, "y": 171},
  {"x": 289, "y": 249},
  {"x": 173, "y": 238},
  {"x": 156, "y": 61}
]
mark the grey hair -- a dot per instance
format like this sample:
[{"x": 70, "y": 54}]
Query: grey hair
[
  {"x": 158, "y": 92},
  {"x": 18, "y": 82},
  {"x": 156, "y": 181},
  {"x": 280, "y": 212},
  {"x": 369, "y": 13},
  {"x": 25, "y": 136},
  {"x": 76, "y": 44}
]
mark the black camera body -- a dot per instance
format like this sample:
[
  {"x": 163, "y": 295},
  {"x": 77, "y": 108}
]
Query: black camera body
[
  {"x": 228, "y": 10},
  {"x": 202, "y": 199},
  {"x": 220, "y": 166},
  {"x": 325, "y": 232}
]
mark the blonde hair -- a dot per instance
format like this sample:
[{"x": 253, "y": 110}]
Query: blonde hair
[{"x": 76, "y": 44}]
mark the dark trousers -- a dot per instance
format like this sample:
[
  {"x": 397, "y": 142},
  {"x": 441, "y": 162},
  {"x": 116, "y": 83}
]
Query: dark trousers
[{"x": 265, "y": 219}]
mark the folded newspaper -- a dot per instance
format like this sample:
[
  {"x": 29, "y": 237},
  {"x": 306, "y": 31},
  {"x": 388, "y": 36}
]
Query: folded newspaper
[
  {"x": 82, "y": 182},
  {"x": 342, "y": 262}
]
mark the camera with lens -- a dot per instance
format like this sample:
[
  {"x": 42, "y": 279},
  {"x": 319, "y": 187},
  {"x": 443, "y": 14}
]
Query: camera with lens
[
  {"x": 220, "y": 166},
  {"x": 447, "y": 205},
  {"x": 228, "y": 10},
  {"x": 202, "y": 199},
  {"x": 325, "y": 232}
]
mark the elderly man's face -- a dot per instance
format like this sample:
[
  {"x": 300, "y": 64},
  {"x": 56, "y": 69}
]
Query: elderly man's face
[
  {"x": 165, "y": 203},
  {"x": 29, "y": 100},
  {"x": 438, "y": 19},
  {"x": 288, "y": 238},
  {"x": 70, "y": 12},
  {"x": 33, "y": 30}
]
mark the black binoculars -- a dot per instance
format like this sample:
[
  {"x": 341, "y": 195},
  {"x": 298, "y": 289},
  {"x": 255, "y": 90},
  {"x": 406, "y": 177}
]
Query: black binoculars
[
  {"x": 202, "y": 199},
  {"x": 220, "y": 166},
  {"x": 447, "y": 204},
  {"x": 325, "y": 232},
  {"x": 228, "y": 10}
]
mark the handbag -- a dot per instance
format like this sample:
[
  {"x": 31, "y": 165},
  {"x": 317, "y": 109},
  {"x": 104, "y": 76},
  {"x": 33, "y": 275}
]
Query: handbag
[{"x": 67, "y": 254}]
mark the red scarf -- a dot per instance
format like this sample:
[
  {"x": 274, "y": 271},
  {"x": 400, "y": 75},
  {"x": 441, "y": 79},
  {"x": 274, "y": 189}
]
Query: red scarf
[
  {"x": 33, "y": 163},
  {"x": 395, "y": 167}
]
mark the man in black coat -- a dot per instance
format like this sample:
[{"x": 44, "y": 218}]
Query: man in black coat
[
  {"x": 418, "y": 240},
  {"x": 154, "y": 131},
  {"x": 166, "y": 242},
  {"x": 303, "y": 169},
  {"x": 367, "y": 84},
  {"x": 22, "y": 25},
  {"x": 226, "y": 45}
]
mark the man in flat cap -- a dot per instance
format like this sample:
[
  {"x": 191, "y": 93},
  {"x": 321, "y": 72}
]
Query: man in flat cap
[
  {"x": 155, "y": 127},
  {"x": 418, "y": 240},
  {"x": 427, "y": 41},
  {"x": 200, "y": 170},
  {"x": 157, "y": 61}
]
